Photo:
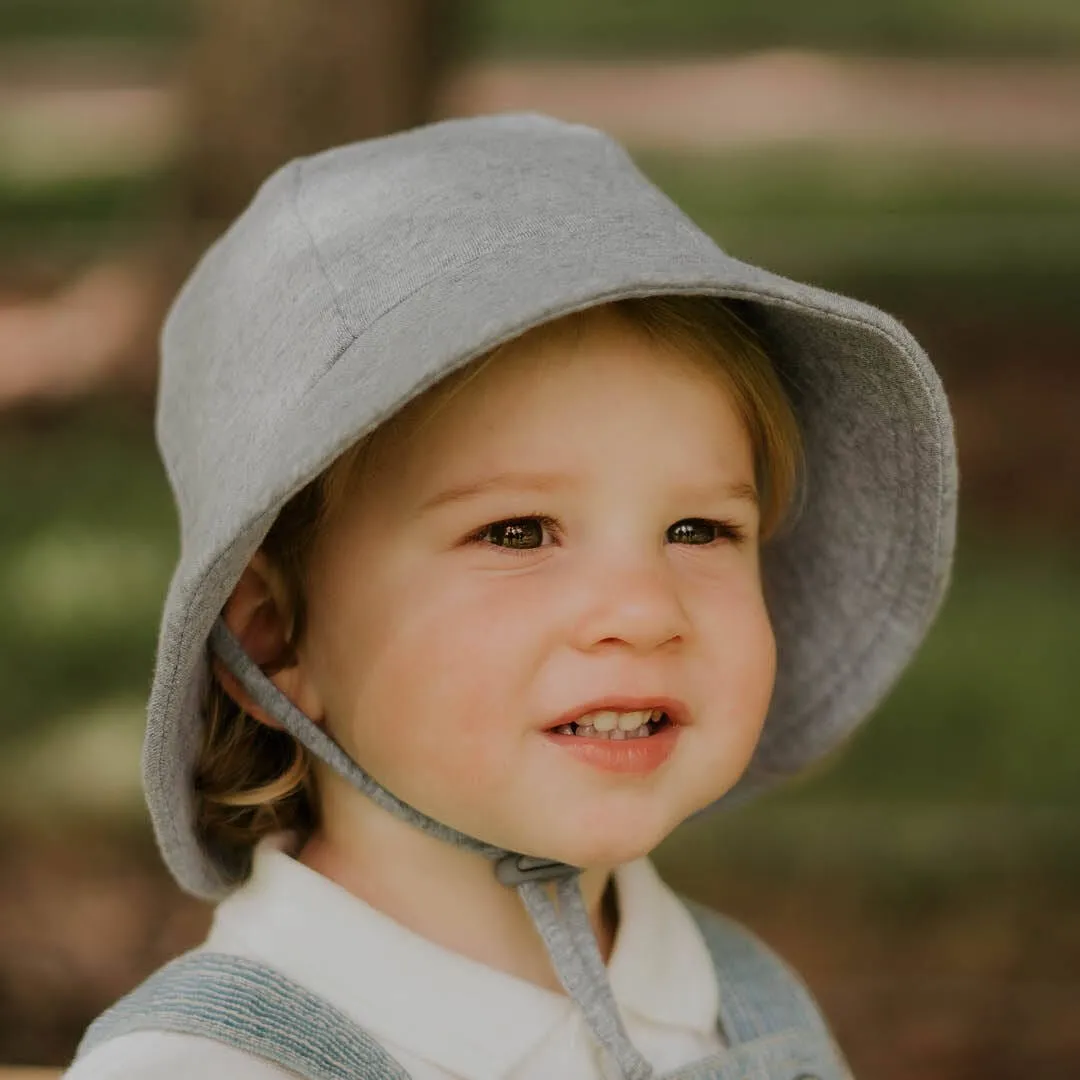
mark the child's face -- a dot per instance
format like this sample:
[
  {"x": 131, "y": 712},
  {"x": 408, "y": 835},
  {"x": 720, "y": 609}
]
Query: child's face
[{"x": 440, "y": 660}]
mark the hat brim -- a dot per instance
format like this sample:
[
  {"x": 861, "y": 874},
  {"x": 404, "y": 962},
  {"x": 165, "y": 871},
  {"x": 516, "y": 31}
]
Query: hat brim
[{"x": 852, "y": 585}]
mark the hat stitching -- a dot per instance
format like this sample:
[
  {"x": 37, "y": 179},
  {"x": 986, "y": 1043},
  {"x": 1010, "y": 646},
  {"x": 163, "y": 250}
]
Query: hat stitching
[
  {"x": 566, "y": 225},
  {"x": 838, "y": 669},
  {"x": 294, "y": 203}
]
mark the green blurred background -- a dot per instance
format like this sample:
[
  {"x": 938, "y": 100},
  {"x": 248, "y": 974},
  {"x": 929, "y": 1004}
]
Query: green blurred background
[{"x": 922, "y": 155}]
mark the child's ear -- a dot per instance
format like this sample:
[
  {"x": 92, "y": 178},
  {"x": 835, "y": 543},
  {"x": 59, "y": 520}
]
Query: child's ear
[{"x": 258, "y": 614}]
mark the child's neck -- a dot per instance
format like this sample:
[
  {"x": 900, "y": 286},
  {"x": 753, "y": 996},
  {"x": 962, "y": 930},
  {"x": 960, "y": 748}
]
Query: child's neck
[{"x": 447, "y": 895}]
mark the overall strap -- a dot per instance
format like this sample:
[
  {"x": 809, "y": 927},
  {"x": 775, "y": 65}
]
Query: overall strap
[
  {"x": 252, "y": 1008},
  {"x": 759, "y": 994},
  {"x": 773, "y": 1027}
]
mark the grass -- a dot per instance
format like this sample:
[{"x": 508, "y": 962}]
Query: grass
[
  {"x": 985, "y": 717},
  {"x": 86, "y": 547},
  {"x": 76, "y": 215},
  {"x": 134, "y": 20},
  {"x": 617, "y": 27}
]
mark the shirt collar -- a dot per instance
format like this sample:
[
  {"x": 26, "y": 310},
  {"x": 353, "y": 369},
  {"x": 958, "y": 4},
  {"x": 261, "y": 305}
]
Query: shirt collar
[
  {"x": 660, "y": 967},
  {"x": 384, "y": 976}
]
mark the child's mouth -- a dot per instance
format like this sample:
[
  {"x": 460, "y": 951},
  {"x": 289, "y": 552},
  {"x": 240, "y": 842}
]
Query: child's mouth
[{"x": 639, "y": 726}]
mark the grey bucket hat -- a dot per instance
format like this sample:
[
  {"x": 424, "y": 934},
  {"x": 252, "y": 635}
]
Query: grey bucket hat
[{"x": 359, "y": 277}]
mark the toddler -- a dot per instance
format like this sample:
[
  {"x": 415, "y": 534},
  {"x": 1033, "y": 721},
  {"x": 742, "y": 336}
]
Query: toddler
[{"x": 519, "y": 524}]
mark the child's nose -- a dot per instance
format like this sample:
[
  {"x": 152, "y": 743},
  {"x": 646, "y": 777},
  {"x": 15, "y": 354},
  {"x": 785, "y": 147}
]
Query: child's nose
[{"x": 638, "y": 604}]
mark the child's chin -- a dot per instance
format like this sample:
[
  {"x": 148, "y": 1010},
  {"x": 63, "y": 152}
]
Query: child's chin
[{"x": 604, "y": 851}]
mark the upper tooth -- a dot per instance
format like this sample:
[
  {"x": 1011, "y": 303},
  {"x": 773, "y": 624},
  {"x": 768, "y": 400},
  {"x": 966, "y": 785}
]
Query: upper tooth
[
  {"x": 609, "y": 720},
  {"x": 603, "y": 721}
]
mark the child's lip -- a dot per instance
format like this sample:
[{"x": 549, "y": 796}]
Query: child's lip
[
  {"x": 676, "y": 710},
  {"x": 637, "y": 757}
]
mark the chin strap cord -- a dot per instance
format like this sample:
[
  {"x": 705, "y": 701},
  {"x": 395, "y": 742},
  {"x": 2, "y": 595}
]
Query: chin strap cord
[
  {"x": 572, "y": 947},
  {"x": 565, "y": 929}
]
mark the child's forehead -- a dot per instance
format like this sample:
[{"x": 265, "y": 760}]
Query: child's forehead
[
  {"x": 505, "y": 416},
  {"x": 590, "y": 353}
]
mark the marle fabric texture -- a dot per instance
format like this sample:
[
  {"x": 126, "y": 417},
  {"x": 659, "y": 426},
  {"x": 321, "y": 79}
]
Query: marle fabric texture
[{"x": 361, "y": 276}]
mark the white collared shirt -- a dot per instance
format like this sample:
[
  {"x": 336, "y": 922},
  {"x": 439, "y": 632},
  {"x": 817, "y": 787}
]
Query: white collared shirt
[{"x": 440, "y": 1014}]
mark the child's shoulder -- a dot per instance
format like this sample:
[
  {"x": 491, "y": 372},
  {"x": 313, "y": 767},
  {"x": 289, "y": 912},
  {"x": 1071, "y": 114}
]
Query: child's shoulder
[{"x": 167, "y": 1055}]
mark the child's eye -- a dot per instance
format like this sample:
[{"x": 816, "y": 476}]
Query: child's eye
[
  {"x": 515, "y": 534},
  {"x": 682, "y": 532},
  {"x": 527, "y": 533}
]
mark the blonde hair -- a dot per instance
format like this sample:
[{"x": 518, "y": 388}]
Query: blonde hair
[{"x": 251, "y": 780}]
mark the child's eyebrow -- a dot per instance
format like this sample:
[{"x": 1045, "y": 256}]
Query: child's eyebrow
[
  {"x": 548, "y": 482},
  {"x": 506, "y": 481}
]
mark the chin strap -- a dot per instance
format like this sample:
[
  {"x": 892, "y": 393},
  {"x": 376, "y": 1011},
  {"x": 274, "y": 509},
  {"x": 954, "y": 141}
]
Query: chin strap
[
  {"x": 565, "y": 928},
  {"x": 571, "y": 945}
]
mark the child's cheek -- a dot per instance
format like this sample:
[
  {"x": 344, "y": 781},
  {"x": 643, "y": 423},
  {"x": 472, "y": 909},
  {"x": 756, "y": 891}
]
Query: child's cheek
[{"x": 448, "y": 670}]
